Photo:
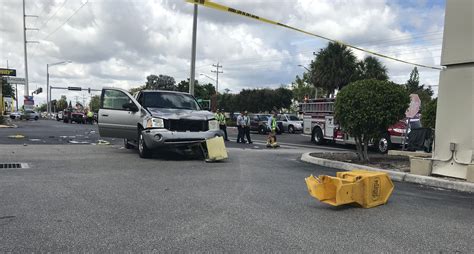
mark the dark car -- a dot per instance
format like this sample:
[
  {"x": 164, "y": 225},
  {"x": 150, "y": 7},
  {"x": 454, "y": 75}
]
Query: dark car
[
  {"x": 258, "y": 122},
  {"x": 70, "y": 116}
]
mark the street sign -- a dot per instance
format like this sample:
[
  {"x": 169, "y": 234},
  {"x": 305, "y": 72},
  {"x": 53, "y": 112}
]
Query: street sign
[
  {"x": 414, "y": 107},
  {"x": 28, "y": 103},
  {"x": 11, "y": 80},
  {"x": 7, "y": 72},
  {"x": 74, "y": 88}
]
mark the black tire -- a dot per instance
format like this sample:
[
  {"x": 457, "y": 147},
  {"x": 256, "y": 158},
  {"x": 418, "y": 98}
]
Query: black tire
[
  {"x": 126, "y": 144},
  {"x": 291, "y": 129},
  {"x": 317, "y": 136},
  {"x": 383, "y": 144},
  {"x": 36, "y": 118},
  {"x": 143, "y": 151},
  {"x": 262, "y": 130}
]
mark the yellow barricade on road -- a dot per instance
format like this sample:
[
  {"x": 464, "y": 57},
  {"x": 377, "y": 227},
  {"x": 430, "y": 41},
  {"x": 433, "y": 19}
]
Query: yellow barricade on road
[
  {"x": 215, "y": 149},
  {"x": 366, "y": 188}
]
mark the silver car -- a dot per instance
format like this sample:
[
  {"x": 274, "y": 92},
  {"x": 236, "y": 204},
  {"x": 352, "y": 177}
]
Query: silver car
[
  {"x": 290, "y": 123},
  {"x": 154, "y": 119},
  {"x": 30, "y": 115}
]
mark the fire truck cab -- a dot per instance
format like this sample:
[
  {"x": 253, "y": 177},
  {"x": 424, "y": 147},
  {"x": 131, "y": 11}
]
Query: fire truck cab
[{"x": 319, "y": 122}]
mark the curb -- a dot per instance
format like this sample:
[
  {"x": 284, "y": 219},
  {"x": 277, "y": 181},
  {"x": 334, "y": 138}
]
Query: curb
[{"x": 396, "y": 176}]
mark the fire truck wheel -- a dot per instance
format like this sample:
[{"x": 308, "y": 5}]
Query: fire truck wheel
[
  {"x": 384, "y": 144},
  {"x": 317, "y": 136}
]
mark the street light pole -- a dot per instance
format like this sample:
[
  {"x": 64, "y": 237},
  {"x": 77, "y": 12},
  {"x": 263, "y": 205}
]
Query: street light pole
[
  {"x": 48, "y": 88},
  {"x": 193, "y": 52},
  {"x": 48, "y": 107}
]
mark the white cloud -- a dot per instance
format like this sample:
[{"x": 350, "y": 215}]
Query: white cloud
[{"x": 119, "y": 43}]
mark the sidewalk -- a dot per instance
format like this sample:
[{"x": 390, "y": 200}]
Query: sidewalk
[{"x": 394, "y": 175}]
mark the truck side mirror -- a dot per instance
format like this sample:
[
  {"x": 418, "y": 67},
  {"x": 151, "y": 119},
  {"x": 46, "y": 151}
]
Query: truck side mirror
[{"x": 130, "y": 106}]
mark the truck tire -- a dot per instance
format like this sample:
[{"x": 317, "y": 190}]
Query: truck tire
[
  {"x": 317, "y": 136},
  {"x": 143, "y": 151},
  {"x": 383, "y": 143}
]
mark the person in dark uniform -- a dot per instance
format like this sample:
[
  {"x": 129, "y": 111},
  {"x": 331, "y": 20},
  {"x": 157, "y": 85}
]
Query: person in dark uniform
[{"x": 247, "y": 127}]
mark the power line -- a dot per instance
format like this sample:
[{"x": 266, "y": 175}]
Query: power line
[
  {"x": 217, "y": 71},
  {"x": 70, "y": 17},
  {"x": 54, "y": 14}
]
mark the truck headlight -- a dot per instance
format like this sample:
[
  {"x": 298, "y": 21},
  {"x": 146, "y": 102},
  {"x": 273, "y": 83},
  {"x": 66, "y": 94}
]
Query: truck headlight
[
  {"x": 155, "y": 123},
  {"x": 213, "y": 125}
]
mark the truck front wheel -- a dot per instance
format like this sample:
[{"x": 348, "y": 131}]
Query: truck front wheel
[
  {"x": 317, "y": 136},
  {"x": 143, "y": 150}
]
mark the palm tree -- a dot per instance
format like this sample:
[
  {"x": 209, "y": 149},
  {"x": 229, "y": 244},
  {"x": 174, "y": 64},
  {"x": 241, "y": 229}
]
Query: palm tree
[
  {"x": 371, "y": 68},
  {"x": 333, "y": 67}
]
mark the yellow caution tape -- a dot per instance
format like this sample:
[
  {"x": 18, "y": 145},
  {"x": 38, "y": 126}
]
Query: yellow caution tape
[{"x": 224, "y": 8}]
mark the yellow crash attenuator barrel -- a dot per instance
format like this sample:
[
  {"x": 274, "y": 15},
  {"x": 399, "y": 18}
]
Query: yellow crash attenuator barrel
[{"x": 366, "y": 188}]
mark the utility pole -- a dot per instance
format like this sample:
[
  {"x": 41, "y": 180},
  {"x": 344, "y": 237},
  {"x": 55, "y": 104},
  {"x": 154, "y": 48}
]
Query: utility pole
[
  {"x": 217, "y": 71},
  {"x": 25, "y": 51},
  {"x": 193, "y": 51},
  {"x": 25, "y": 41}
]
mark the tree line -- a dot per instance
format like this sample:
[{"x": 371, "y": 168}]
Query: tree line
[{"x": 252, "y": 100}]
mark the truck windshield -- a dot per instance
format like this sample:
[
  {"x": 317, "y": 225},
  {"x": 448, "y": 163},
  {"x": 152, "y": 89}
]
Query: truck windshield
[{"x": 169, "y": 100}]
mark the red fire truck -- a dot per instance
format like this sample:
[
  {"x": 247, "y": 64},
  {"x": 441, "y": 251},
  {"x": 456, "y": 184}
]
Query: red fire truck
[{"x": 319, "y": 122}]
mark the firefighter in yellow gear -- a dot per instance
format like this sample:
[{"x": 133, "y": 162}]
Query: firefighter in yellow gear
[
  {"x": 220, "y": 117},
  {"x": 272, "y": 124},
  {"x": 90, "y": 117}
]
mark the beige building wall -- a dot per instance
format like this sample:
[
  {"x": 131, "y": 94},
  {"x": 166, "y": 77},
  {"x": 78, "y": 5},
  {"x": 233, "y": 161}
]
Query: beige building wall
[{"x": 455, "y": 112}]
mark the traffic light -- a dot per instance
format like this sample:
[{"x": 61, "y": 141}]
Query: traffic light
[
  {"x": 89, "y": 90},
  {"x": 38, "y": 91}
]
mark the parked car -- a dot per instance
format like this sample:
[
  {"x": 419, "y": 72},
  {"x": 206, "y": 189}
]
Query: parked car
[
  {"x": 16, "y": 115},
  {"x": 155, "y": 119},
  {"x": 258, "y": 122},
  {"x": 290, "y": 123},
  {"x": 30, "y": 115},
  {"x": 78, "y": 117},
  {"x": 59, "y": 116},
  {"x": 71, "y": 116}
]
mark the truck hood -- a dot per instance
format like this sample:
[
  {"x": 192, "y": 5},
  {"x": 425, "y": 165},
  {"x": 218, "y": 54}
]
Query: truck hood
[{"x": 175, "y": 114}]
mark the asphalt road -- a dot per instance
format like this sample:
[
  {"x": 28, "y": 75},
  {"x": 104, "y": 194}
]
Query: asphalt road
[
  {"x": 54, "y": 132},
  {"x": 101, "y": 198},
  {"x": 51, "y": 132}
]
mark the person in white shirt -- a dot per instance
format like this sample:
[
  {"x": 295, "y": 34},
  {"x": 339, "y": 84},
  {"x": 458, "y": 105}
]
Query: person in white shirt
[
  {"x": 240, "y": 128},
  {"x": 247, "y": 127}
]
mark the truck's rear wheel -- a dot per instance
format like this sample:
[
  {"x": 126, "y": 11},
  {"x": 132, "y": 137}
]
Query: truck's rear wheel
[{"x": 317, "y": 136}]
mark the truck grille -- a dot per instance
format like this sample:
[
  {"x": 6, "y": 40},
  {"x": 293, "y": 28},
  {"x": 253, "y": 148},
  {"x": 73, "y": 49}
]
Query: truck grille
[{"x": 187, "y": 125}]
